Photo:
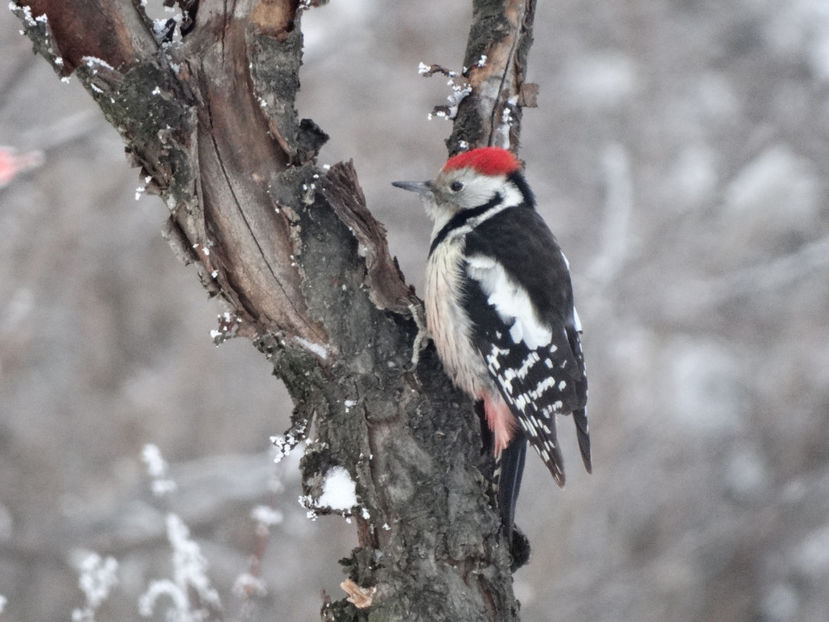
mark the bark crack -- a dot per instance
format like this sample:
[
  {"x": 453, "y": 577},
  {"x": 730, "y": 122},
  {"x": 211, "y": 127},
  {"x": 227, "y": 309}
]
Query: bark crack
[
  {"x": 238, "y": 206},
  {"x": 507, "y": 70}
]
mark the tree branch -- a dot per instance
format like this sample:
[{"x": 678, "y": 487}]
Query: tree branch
[
  {"x": 305, "y": 268},
  {"x": 496, "y": 64}
]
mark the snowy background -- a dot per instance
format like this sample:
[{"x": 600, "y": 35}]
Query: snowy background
[{"x": 680, "y": 152}]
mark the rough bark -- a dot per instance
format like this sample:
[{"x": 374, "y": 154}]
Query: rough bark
[
  {"x": 496, "y": 61},
  {"x": 305, "y": 269}
]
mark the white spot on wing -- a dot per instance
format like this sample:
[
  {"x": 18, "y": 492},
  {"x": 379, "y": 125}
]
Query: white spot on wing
[
  {"x": 576, "y": 320},
  {"x": 510, "y": 300},
  {"x": 542, "y": 386},
  {"x": 532, "y": 359}
]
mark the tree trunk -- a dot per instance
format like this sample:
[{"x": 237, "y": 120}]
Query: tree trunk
[{"x": 305, "y": 269}]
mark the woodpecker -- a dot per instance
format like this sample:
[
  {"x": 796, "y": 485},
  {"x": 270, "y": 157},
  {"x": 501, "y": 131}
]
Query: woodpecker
[{"x": 499, "y": 308}]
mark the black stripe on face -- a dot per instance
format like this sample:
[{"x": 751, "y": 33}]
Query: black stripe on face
[
  {"x": 518, "y": 179},
  {"x": 461, "y": 218}
]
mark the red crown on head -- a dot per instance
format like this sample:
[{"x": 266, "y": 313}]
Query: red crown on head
[{"x": 486, "y": 160}]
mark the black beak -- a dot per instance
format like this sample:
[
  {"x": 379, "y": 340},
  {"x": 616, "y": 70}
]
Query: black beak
[{"x": 421, "y": 187}]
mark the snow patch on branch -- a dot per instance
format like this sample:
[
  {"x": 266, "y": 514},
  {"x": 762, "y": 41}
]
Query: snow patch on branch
[
  {"x": 26, "y": 12},
  {"x": 339, "y": 492},
  {"x": 319, "y": 349},
  {"x": 94, "y": 63},
  {"x": 507, "y": 120}
]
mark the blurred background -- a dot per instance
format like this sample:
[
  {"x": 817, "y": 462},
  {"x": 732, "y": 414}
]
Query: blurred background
[{"x": 680, "y": 152}]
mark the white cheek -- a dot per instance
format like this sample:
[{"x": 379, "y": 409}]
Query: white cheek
[{"x": 481, "y": 190}]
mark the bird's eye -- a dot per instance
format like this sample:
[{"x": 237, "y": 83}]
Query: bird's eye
[{"x": 456, "y": 186}]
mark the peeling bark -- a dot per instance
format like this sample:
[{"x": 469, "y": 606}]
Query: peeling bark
[{"x": 295, "y": 253}]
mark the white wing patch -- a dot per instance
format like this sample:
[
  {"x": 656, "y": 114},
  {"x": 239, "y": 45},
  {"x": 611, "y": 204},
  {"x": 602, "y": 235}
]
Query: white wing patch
[{"x": 510, "y": 300}]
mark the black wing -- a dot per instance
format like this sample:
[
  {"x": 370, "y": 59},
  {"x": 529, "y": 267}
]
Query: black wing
[{"x": 537, "y": 379}]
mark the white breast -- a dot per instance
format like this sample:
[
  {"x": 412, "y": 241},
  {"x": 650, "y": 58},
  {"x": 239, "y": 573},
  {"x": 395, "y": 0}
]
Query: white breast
[{"x": 447, "y": 321}]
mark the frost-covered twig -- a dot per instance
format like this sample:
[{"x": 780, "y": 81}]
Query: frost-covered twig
[
  {"x": 285, "y": 443},
  {"x": 193, "y": 598},
  {"x": 458, "y": 84},
  {"x": 97, "y": 578},
  {"x": 157, "y": 469},
  {"x": 189, "y": 577}
]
